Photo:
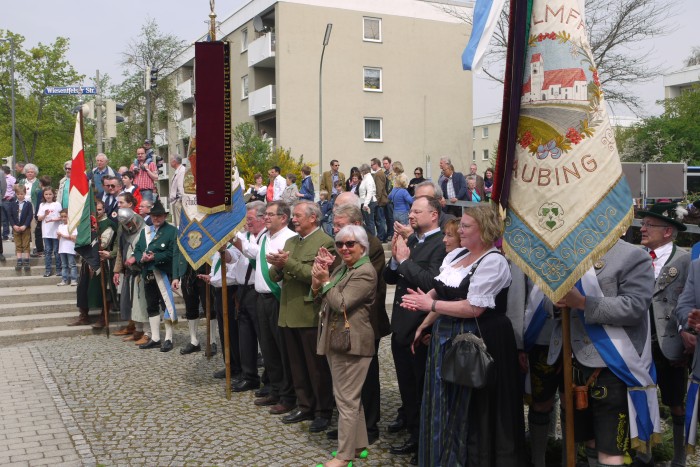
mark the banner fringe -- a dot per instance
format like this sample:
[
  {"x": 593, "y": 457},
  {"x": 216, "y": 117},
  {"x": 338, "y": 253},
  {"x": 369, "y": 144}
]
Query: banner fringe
[{"x": 600, "y": 251}]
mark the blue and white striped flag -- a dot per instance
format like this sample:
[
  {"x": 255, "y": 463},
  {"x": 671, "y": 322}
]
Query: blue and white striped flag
[{"x": 486, "y": 14}]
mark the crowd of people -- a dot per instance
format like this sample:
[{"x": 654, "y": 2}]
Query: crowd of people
[{"x": 306, "y": 284}]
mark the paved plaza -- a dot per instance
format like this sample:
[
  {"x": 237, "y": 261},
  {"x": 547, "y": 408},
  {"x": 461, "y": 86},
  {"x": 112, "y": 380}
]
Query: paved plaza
[{"x": 93, "y": 400}]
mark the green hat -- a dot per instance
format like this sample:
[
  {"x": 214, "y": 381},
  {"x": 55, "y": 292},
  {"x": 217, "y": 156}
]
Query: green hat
[
  {"x": 157, "y": 209},
  {"x": 672, "y": 213}
]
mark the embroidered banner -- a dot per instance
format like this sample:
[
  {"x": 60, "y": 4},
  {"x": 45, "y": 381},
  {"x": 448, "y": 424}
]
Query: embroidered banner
[{"x": 568, "y": 201}]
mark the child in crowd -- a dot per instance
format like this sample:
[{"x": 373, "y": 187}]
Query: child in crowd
[
  {"x": 22, "y": 213},
  {"x": 66, "y": 248},
  {"x": 49, "y": 216},
  {"x": 289, "y": 195},
  {"x": 401, "y": 199},
  {"x": 326, "y": 212}
]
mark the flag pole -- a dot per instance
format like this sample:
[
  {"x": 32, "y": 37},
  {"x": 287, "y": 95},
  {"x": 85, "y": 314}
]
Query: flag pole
[
  {"x": 568, "y": 387},
  {"x": 105, "y": 308},
  {"x": 224, "y": 312},
  {"x": 207, "y": 309}
]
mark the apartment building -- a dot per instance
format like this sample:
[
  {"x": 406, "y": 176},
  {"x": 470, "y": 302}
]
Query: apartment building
[{"x": 392, "y": 82}]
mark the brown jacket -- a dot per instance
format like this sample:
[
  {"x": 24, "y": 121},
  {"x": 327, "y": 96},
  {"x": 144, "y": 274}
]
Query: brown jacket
[
  {"x": 327, "y": 181},
  {"x": 357, "y": 290},
  {"x": 380, "y": 181}
]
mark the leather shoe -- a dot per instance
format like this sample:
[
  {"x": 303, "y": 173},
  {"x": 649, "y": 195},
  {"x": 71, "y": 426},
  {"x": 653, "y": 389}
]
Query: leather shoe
[
  {"x": 332, "y": 434},
  {"x": 221, "y": 374},
  {"x": 151, "y": 344},
  {"x": 167, "y": 346},
  {"x": 372, "y": 437},
  {"x": 190, "y": 348},
  {"x": 409, "y": 447},
  {"x": 143, "y": 340},
  {"x": 319, "y": 424},
  {"x": 266, "y": 401},
  {"x": 297, "y": 416},
  {"x": 281, "y": 408},
  {"x": 245, "y": 386},
  {"x": 397, "y": 425},
  {"x": 213, "y": 349},
  {"x": 263, "y": 391}
]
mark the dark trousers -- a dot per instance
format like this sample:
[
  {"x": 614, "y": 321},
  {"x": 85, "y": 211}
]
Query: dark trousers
[
  {"x": 38, "y": 238},
  {"x": 371, "y": 396},
  {"x": 194, "y": 291},
  {"x": 410, "y": 374},
  {"x": 248, "y": 331},
  {"x": 273, "y": 349},
  {"x": 311, "y": 375},
  {"x": 153, "y": 298},
  {"x": 234, "y": 353}
]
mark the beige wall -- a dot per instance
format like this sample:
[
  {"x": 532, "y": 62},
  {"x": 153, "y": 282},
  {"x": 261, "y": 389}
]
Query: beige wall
[{"x": 424, "y": 111}]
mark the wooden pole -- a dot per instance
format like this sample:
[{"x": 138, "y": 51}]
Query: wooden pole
[
  {"x": 568, "y": 387},
  {"x": 224, "y": 312},
  {"x": 105, "y": 308},
  {"x": 207, "y": 310}
]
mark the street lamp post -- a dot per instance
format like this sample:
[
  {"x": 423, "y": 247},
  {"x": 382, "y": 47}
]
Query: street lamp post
[
  {"x": 12, "y": 94},
  {"x": 326, "y": 39}
]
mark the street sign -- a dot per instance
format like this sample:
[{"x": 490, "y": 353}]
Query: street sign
[{"x": 69, "y": 90}]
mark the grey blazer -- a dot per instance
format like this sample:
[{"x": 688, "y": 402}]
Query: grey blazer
[
  {"x": 627, "y": 281},
  {"x": 689, "y": 299},
  {"x": 667, "y": 289}
]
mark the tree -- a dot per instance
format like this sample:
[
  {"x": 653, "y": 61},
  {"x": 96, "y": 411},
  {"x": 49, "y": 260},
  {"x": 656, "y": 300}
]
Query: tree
[
  {"x": 694, "y": 57},
  {"x": 671, "y": 137},
  {"x": 44, "y": 124},
  {"x": 254, "y": 155},
  {"x": 615, "y": 28},
  {"x": 153, "y": 49}
]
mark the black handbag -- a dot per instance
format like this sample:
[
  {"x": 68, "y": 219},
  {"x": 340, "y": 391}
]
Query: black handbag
[
  {"x": 467, "y": 362},
  {"x": 340, "y": 340}
]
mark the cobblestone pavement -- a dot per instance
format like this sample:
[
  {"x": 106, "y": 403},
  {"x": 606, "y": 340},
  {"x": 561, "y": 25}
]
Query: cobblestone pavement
[{"x": 98, "y": 401}]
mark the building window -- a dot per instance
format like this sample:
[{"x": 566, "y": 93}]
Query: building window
[
  {"x": 473, "y": 156},
  {"x": 486, "y": 155},
  {"x": 244, "y": 87},
  {"x": 372, "y": 79},
  {"x": 372, "y": 29},
  {"x": 473, "y": 133},
  {"x": 485, "y": 132},
  {"x": 244, "y": 40},
  {"x": 373, "y": 129}
]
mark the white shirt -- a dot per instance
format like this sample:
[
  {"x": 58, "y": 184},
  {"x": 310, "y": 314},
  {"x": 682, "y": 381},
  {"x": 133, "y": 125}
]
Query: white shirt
[
  {"x": 215, "y": 279},
  {"x": 663, "y": 253},
  {"x": 65, "y": 245},
  {"x": 241, "y": 268},
  {"x": 49, "y": 229},
  {"x": 177, "y": 187},
  {"x": 368, "y": 190},
  {"x": 273, "y": 244},
  {"x": 278, "y": 187},
  {"x": 492, "y": 276}
]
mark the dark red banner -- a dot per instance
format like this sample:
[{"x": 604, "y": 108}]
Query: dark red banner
[{"x": 213, "y": 114}]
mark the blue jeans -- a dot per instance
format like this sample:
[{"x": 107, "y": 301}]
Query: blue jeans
[
  {"x": 368, "y": 217},
  {"x": 70, "y": 270},
  {"x": 389, "y": 216},
  {"x": 401, "y": 217},
  {"x": 6, "y": 230},
  {"x": 380, "y": 222},
  {"x": 51, "y": 249}
]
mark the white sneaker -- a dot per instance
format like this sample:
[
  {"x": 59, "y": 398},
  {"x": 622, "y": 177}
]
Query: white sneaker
[
  {"x": 62, "y": 283},
  {"x": 73, "y": 284}
]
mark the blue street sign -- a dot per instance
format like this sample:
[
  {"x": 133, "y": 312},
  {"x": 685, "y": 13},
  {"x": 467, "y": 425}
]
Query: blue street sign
[{"x": 69, "y": 90}]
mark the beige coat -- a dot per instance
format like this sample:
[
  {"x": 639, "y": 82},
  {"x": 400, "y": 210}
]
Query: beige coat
[{"x": 357, "y": 290}]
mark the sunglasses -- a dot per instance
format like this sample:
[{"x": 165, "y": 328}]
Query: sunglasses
[
  {"x": 109, "y": 186},
  {"x": 349, "y": 244}
]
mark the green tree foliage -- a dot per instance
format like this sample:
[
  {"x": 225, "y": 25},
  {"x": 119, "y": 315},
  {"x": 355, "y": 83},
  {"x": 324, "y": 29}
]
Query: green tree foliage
[
  {"x": 44, "y": 124},
  {"x": 672, "y": 136},
  {"x": 152, "y": 49},
  {"x": 255, "y": 155}
]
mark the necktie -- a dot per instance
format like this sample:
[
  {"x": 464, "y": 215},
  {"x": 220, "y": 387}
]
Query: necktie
[{"x": 652, "y": 253}]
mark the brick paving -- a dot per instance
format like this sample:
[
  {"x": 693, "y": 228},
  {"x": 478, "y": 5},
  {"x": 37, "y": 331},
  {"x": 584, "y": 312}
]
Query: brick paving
[{"x": 97, "y": 401}]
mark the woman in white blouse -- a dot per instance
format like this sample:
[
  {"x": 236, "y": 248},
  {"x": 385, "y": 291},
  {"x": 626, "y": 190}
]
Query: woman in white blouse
[
  {"x": 368, "y": 198},
  {"x": 461, "y": 425}
]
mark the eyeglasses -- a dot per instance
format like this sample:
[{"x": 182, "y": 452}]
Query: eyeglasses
[
  {"x": 109, "y": 186},
  {"x": 349, "y": 244},
  {"x": 646, "y": 225},
  {"x": 66, "y": 168},
  {"x": 270, "y": 214},
  {"x": 418, "y": 173}
]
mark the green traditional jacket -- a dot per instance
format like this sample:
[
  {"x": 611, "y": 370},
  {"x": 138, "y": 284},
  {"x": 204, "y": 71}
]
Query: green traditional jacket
[
  {"x": 163, "y": 246},
  {"x": 297, "y": 307}
]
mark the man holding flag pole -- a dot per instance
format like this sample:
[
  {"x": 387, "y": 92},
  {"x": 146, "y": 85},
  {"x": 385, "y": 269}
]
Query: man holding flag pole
[{"x": 559, "y": 178}]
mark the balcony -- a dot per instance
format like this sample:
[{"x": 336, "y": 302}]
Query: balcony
[
  {"x": 185, "y": 127},
  {"x": 261, "y": 52},
  {"x": 262, "y": 101},
  {"x": 186, "y": 91}
]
